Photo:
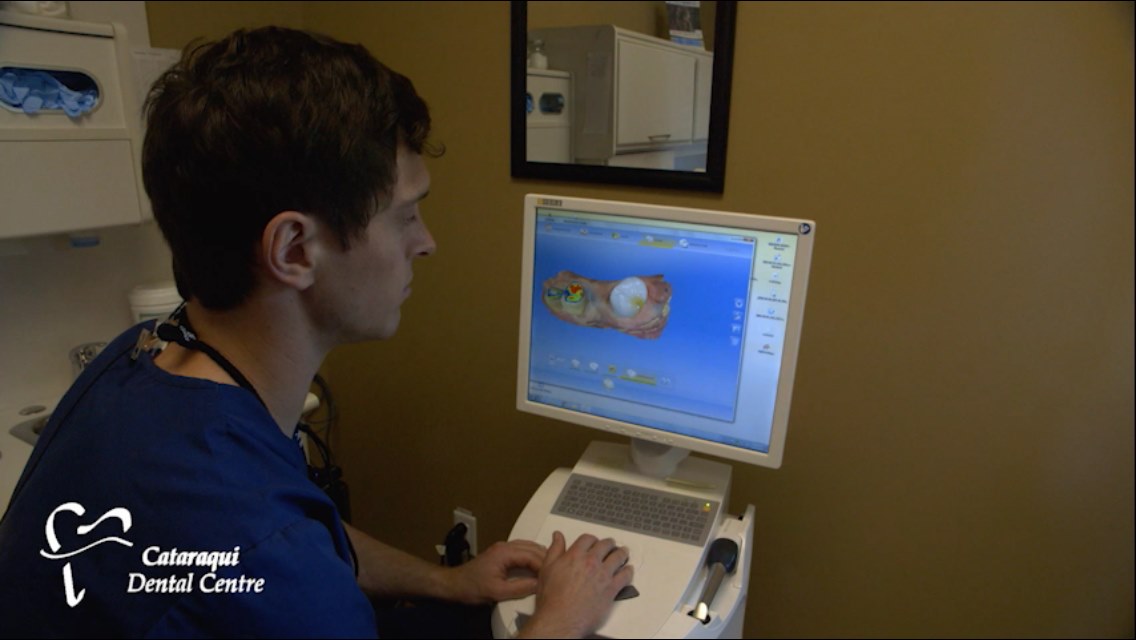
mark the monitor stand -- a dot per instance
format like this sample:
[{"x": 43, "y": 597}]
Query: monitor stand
[
  {"x": 656, "y": 460},
  {"x": 669, "y": 575}
]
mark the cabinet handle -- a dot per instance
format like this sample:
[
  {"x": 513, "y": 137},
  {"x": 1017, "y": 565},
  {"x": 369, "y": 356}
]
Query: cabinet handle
[{"x": 662, "y": 137}]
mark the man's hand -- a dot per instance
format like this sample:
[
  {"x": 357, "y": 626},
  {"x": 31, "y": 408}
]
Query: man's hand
[
  {"x": 577, "y": 587},
  {"x": 486, "y": 580}
]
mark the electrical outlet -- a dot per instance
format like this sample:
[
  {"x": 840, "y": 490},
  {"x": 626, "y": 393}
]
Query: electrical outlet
[{"x": 466, "y": 517}]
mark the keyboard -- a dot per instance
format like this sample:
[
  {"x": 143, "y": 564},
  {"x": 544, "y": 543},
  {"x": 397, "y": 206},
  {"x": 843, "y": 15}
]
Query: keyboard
[{"x": 630, "y": 508}]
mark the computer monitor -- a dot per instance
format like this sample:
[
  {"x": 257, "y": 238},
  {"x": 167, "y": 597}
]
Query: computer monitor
[{"x": 673, "y": 326}]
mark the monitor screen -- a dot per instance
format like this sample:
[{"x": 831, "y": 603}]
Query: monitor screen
[{"x": 666, "y": 324}]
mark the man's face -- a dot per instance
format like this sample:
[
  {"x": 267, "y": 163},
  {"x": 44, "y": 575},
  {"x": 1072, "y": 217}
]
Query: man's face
[{"x": 369, "y": 282}]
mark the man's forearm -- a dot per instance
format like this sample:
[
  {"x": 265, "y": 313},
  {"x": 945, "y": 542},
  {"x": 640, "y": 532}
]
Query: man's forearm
[{"x": 386, "y": 572}]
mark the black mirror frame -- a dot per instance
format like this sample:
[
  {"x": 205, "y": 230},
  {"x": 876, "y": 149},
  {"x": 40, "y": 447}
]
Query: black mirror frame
[{"x": 713, "y": 179}]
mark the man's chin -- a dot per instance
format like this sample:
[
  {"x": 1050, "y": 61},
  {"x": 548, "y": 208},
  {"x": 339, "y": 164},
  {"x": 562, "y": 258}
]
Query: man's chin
[
  {"x": 384, "y": 332},
  {"x": 356, "y": 334}
]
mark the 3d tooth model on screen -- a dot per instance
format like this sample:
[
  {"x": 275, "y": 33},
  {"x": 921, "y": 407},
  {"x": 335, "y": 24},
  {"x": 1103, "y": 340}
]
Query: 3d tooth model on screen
[{"x": 638, "y": 305}]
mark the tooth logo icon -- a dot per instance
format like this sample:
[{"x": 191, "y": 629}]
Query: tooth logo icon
[{"x": 118, "y": 513}]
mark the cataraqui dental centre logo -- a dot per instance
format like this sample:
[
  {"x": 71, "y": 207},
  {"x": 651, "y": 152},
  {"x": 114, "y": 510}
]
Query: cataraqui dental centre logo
[{"x": 153, "y": 556}]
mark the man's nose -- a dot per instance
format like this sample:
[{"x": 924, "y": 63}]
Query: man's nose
[{"x": 428, "y": 245}]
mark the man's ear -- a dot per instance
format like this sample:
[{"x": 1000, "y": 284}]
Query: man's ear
[{"x": 289, "y": 249}]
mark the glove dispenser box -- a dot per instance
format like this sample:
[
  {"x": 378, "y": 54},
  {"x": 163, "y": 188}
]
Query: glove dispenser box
[{"x": 60, "y": 172}]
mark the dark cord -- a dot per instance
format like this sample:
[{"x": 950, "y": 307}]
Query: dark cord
[{"x": 331, "y": 411}]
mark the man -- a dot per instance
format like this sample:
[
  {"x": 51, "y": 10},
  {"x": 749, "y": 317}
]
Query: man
[{"x": 285, "y": 170}]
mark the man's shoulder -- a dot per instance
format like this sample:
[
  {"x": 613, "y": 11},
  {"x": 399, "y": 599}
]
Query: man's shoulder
[
  {"x": 127, "y": 395},
  {"x": 191, "y": 453}
]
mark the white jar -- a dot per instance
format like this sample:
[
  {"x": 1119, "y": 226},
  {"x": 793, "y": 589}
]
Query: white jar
[
  {"x": 537, "y": 59},
  {"x": 156, "y": 300}
]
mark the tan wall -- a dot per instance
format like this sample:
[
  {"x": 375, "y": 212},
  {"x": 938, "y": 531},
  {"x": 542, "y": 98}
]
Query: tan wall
[
  {"x": 643, "y": 16},
  {"x": 960, "y": 454},
  {"x": 174, "y": 24}
]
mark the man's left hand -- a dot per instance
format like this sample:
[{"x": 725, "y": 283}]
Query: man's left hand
[{"x": 504, "y": 571}]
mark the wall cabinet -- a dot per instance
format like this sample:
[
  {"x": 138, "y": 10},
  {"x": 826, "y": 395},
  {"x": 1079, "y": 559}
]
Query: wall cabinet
[
  {"x": 60, "y": 173},
  {"x": 634, "y": 93}
]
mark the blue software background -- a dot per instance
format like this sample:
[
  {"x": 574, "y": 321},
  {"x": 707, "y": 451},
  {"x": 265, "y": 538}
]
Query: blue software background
[{"x": 694, "y": 351}]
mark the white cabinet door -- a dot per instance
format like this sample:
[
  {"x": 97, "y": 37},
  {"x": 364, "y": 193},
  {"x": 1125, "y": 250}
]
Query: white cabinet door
[{"x": 655, "y": 95}]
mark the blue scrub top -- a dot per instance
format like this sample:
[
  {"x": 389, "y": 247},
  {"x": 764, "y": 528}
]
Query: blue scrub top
[{"x": 157, "y": 505}]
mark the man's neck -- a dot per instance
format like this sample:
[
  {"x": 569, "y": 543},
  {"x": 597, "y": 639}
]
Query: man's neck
[{"x": 268, "y": 343}]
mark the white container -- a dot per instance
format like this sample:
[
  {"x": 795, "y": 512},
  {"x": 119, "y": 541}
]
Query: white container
[
  {"x": 537, "y": 59},
  {"x": 156, "y": 300}
]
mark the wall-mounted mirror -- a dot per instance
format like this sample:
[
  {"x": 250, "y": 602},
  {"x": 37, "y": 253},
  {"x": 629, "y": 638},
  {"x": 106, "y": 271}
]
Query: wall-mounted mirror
[{"x": 630, "y": 92}]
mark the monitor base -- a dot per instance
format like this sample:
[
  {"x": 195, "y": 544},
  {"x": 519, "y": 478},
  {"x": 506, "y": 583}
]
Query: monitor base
[{"x": 656, "y": 460}]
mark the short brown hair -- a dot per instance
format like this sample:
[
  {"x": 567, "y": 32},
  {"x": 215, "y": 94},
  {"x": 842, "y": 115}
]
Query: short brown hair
[{"x": 264, "y": 121}]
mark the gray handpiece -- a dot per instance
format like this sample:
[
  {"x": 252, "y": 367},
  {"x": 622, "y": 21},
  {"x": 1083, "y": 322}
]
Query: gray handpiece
[{"x": 722, "y": 559}]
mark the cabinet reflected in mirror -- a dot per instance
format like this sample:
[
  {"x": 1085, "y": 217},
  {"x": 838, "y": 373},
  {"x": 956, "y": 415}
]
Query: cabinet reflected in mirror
[{"x": 599, "y": 96}]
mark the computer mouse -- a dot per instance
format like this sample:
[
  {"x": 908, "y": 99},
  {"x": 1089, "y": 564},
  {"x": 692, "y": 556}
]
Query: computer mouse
[{"x": 626, "y": 593}]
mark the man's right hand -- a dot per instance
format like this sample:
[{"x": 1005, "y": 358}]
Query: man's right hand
[{"x": 577, "y": 587}]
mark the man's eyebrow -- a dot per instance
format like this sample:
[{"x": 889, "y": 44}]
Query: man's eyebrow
[{"x": 410, "y": 201}]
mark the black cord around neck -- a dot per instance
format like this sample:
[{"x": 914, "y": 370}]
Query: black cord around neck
[{"x": 182, "y": 334}]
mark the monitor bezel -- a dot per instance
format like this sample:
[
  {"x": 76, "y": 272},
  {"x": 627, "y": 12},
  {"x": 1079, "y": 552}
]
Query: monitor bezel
[{"x": 793, "y": 323}]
